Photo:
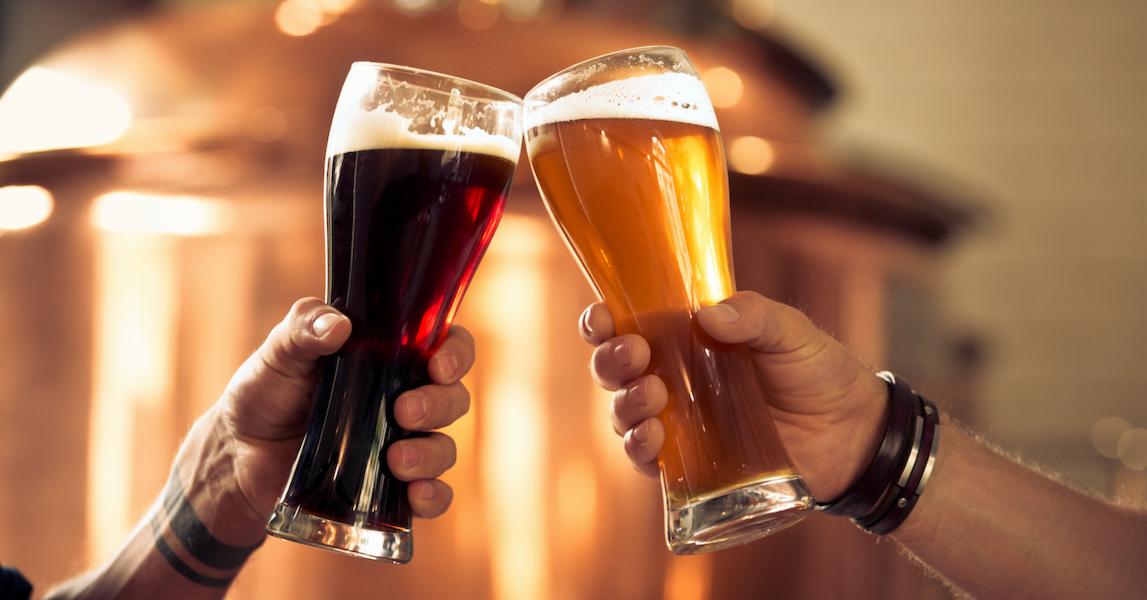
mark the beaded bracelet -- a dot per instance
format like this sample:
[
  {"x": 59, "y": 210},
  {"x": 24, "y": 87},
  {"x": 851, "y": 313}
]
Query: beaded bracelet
[{"x": 889, "y": 487}]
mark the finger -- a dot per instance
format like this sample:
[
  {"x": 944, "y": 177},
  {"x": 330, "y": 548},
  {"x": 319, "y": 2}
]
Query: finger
[
  {"x": 646, "y": 398},
  {"x": 453, "y": 359},
  {"x": 596, "y": 324},
  {"x": 649, "y": 469},
  {"x": 270, "y": 396},
  {"x": 429, "y": 498},
  {"x": 619, "y": 361},
  {"x": 431, "y": 406},
  {"x": 642, "y": 443},
  {"x": 766, "y": 325},
  {"x": 310, "y": 330},
  {"x": 421, "y": 457}
]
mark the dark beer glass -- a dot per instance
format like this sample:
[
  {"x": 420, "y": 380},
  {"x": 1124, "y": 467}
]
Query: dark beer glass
[
  {"x": 417, "y": 171},
  {"x": 628, "y": 156}
]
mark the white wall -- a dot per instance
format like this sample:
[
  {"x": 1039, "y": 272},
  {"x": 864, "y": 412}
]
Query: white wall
[{"x": 1041, "y": 104}]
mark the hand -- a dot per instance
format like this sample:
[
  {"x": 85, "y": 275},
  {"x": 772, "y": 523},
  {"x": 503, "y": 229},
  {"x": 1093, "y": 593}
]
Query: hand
[
  {"x": 265, "y": 407},
  {"x": 829, "y": 408}
]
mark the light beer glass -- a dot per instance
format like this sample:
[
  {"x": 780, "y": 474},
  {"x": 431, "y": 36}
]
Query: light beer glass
[
  {"x": 627, "y": 154},
  {"x": 417, "y": 171}
]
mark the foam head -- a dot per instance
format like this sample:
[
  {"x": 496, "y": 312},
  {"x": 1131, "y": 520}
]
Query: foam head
[
  {"x": 670, "y": 96},
  {"x": 376, "y": 114}
]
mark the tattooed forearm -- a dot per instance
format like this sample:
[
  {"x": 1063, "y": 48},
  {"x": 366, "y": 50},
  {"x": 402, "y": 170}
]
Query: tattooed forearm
[{"x": 186, "y": 544}]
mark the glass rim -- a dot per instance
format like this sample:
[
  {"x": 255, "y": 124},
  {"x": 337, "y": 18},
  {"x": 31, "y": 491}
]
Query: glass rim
[
  {"x": 584, "y": 63},
  {"x": 494, "y": 94}
]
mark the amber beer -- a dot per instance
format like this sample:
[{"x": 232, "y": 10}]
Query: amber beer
[{"x": 633, "y": 173}]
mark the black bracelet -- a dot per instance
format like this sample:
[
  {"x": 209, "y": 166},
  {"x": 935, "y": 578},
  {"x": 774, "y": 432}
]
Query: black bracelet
[
  {"x": 887, "y": 490},
  {"x": 862, "y": 498},
  {"x": 912, "y": 483}
]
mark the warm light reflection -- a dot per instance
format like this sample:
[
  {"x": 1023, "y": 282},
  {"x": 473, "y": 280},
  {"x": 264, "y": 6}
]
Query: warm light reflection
[
  {"x": 1105, "y": 435},
  {"x": 577, "y": 503},
  {"x": 522, "y": 10},
  {"x": 414, "y": 6},
  {"x": 477, "y": 14},
  {"x": 132, "y": 371},
  {"x": 334, "y": 7},
  {"x": 687, "y": 578},
  {"x": 1132, "y": 449},
  {"x": 24, "y": 206},
  {"x": 751, "y": 155},
  {"x": 298, "y": 17},
  {"x": 724, "y": 86},
  {"x": 134, "y": 212},
  {"x": 46, "y": 109},
  {"x": 754, "y": 14},
  {"x": 513, "y": 446}
]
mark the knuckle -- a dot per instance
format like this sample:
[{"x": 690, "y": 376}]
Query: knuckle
[
  {"x": 462, "y": 334},
  {"x": 462, "y": 404},
  {"x": 449, "y": 452}
]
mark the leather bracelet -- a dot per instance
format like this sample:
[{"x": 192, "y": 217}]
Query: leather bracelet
[
  {"x": 908, "y": 490},
  {"x": 888, "y": 489},
  {"x": 865, "y": 494}
]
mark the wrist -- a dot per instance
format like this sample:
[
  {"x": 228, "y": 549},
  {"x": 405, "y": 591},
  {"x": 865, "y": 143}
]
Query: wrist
[
  {"x": 206, "y": 474},
  {"x": 891, "y": 484},
  {"x": 866, "y": 423}
]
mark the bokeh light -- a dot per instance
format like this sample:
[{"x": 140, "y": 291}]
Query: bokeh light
[
  {"x": 751, "y": 155},
  {"x": 134, "y": 212},
  {"x": 298, "y": 18},
  {"x": 1105, "y": 435},
  {"x": 24, "y": 206},
  {"x": 48, "y": 109},
  {"x": 1132, "y": 449},
  {"x": 724, "y": 86},
  {"x": 754, "y": 14}
]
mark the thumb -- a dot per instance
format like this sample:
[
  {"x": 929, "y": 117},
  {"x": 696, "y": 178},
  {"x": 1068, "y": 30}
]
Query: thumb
[
  {"x": 269, "y": 397},
  {"x": 310, "y": 330},
  {"x": 764, "y": 325}
]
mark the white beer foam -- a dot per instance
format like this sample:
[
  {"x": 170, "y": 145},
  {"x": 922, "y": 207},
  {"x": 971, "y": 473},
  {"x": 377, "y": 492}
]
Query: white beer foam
[
  {"x": 677, "y": 97},
  {"x": 356, "y": 129}
]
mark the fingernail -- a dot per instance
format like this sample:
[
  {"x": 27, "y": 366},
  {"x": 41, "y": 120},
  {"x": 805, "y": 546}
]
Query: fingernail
[
  {"x": 723, "y": 313},
  {"x": 621, "y": 354},
  {"x": 636, "y": 395},
  {"x": 640, "y": 434},
  {"x": 418, "y": 407},
  {"x": 323, "y": 324},
  {"x": 428, "y": 492},
  {"x": 410, "y": 457},
  {"x": 447, "y": 365},
  {"x": 585, "y": 323}
]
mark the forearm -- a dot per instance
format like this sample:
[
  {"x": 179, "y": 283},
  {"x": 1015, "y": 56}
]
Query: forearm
[
  {"x": 193, "y": 540},
  {"x": 995, "y": 528}
]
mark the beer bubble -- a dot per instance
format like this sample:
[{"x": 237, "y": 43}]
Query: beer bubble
[
  {"x": 406, "y": 115},
  {"x": 668, "y": 96}
]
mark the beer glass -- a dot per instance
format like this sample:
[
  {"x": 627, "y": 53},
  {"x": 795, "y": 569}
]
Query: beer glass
[
  {"x": 628, "y": 157},
  {"x": 418, "y": 166}
]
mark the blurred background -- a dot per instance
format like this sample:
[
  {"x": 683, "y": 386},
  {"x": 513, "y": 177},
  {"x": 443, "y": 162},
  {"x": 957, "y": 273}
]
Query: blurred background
[{"x": 953, "y": 189}]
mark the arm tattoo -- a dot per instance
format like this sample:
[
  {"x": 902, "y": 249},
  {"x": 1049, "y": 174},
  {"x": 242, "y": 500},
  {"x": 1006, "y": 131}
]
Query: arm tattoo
[{"x": 197, "y": 541}]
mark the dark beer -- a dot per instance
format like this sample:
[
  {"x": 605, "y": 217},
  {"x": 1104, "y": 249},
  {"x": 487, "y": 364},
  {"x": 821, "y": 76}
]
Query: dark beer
[
  {"x": 406, "y": 230},
  {"x": 418, "y": 167}
]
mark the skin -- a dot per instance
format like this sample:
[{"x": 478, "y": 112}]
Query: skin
[
  {"x": 986, "y": 524},
  {"x": 237, "y": 457}
]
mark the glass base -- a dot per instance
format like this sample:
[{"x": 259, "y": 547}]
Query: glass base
[
  {"x": 738, "y": 516},
  {"x": 297, "y": 525}
]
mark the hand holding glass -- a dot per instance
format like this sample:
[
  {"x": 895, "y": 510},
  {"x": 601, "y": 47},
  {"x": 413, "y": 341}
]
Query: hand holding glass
[
  {"x": 627, "y": 154},
  {"x": 418, "y": 168}
]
